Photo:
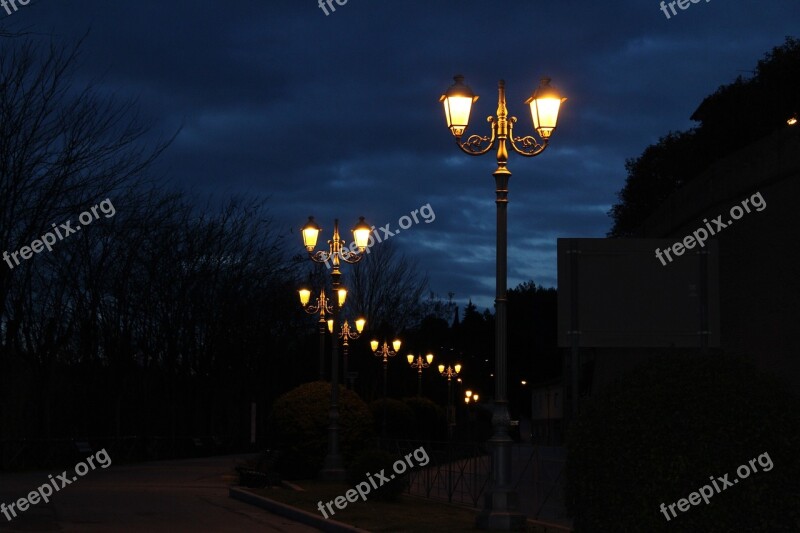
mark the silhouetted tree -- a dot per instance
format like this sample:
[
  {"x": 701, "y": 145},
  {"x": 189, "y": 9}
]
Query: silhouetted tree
[{"x": 733, "y": 117}]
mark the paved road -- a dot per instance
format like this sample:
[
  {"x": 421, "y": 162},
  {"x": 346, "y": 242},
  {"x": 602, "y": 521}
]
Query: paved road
[{"x": 170, "y": 496}]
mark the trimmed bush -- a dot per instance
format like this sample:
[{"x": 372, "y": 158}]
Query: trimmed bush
[
  {"x": 661, "y": 432},
  {"x": 431, "y": 419},
  {"x": 299, "y": 427},
  {"x": 372, "y": 462},
  {"x": 400, "y": 419}
]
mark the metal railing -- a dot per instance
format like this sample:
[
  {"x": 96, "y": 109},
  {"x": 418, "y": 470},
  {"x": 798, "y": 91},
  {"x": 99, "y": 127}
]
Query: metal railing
[{"x": 460, "y": 472}]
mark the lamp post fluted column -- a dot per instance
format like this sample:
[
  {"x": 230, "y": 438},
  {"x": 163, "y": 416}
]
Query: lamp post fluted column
[{"x": 501, "y": 506}]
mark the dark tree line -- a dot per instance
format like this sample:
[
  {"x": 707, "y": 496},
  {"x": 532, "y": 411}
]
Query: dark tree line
[
  {"x": 167, "y": 319},
  {"x": 734, "y": 116},
  {"x": 164, "y": 320}
]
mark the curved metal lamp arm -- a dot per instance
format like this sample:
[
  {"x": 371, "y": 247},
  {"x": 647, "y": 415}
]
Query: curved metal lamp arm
[
  {"x": 529, "y": 145},
  {"x": 313, "y": 309},
  {"x": 350, "y": 257},
  {"x": 472, "y": 145},
  {"x": 353, "y": 335},
  {"x": 320, "y": 256}
]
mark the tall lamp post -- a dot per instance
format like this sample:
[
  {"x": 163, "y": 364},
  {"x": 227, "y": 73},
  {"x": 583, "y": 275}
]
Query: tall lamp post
[
  {"x": 450, "y": 372},
  {"x": 322, "y": 306},
  {"x": 347, "y": 334},
  {"x": 502, "y": 501},
  {"x": 385, "y": 352},
  {"x": 333, "y": 468},
  {"x": 419, "y": 363}
]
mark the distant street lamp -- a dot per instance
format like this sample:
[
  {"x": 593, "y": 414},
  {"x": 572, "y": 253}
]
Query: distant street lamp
[
  {"x": 347, "y": 334},
  {"x": 385, "y": 352},
  {"x": 501, "y": 510},
  {"x": 333, "y": 468},
  {"x": 323, "y": 306},
  {"x": 419, "y": 363},
  {"x": 450, "y": 372}
]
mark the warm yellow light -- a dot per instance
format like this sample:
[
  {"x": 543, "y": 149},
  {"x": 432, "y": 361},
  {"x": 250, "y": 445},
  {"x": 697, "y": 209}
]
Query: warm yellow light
[
  {"x": 396, "y": 345},
  {"x": 458, "y": 369},
  {"x": 545, "y": 103},
  {"x": 410, "y": 359},
  {"x": 475, "y": 397},
  {"x": 360, "y": 323},
  {"x": 441, "y": 369},
  {"x": 524, "y": 382},
  {"x": 457, "y": 103},
  {"x": 373, "y": 345},
  {"x": 330, "y": 325},
  {"x": 466, "y": 400},
  {"x": 361, "y": 234},
  {"x": 792, "y": 120},
  {"x": 310, "y": 234},
  {"x": 305, "y": 296},
  {"x": 468, "y": 393},
  {"x": 429, "y": 357},
  {"x": 342, "y": 296}
]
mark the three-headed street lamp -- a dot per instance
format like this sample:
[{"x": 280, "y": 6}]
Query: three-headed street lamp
[
  {"x": 333, "y": 468},
  {"x": 502, "y": 501},
  {"x": 383, "y": 350},
  {"x": 347, "y": 334},
  {"x": 419, "y": 363},
  {"x": 450, "y": 372}
]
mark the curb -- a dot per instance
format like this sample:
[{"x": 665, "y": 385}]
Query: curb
[{"x": 292, "y": 513}]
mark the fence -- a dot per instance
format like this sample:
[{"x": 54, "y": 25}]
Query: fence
[{"x": 460, "y": 472}]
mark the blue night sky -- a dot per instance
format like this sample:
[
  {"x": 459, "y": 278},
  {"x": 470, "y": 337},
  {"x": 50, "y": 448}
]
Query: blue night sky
[{"x": 338, "y": 115}]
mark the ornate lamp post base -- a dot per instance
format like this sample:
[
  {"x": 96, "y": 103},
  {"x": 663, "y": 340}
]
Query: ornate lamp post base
[{"x": 503, "y": 520}]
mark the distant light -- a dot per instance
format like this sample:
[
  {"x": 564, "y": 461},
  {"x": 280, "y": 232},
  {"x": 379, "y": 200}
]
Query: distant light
[
  {"x": 792, "y": 120},
  {"x": 524, "y": 382}
]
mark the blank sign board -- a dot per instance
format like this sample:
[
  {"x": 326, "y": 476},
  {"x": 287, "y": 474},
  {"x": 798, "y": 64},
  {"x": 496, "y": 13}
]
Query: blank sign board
[{"x": 617, "y": 293}]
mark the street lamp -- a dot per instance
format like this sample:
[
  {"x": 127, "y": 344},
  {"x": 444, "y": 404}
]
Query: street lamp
[
  {"x": 419, "y": 363},
  {"x": 347, "y": 334},
  {"x": 323, "y": 306},
  {"x": 502, "y": 501},
  {"x": 450, "y": 372},
  {"x": 385, "y": 352},
  {"x": 333, "y": 468}
]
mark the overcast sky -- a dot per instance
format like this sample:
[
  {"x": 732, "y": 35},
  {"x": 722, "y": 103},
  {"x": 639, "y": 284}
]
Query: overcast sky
[{"x": 337, "y": 115}]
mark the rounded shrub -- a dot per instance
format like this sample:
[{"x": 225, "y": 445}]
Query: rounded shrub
[
  {"x": 400, "y": 419},
  {"x": 664, "y": 430},
  {"x": 372, "y": 462},
  {"x": 299, "y": 427},
  {"x": 431, "y": 419}
]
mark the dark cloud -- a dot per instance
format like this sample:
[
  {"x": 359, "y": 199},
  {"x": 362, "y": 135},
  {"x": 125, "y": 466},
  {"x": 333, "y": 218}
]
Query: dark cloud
[{"x": 338, "y": 115}]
